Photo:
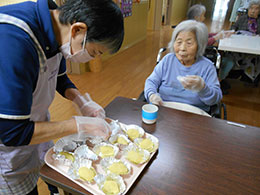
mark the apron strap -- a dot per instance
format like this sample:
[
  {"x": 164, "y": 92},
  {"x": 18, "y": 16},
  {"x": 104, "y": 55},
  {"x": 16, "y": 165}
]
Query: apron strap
[{"x": 4, "y": 18}]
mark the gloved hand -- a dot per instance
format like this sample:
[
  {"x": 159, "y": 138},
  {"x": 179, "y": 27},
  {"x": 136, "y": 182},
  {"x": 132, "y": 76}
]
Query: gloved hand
[
  {"x": 219, "y": 35},
  {"x": 192, "y": 82},
  {"x": 223, "y": 34},
  {"x": 156, "y": 99},
  {"x": 92, "y": 126},
  {"x": 228, "y": 33},
  {"x": 87, "y": 107}
]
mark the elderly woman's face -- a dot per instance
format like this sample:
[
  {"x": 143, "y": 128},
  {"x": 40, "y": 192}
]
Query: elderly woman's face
[
  {"x": 201, "y": 18},
  {"x": 253, "y": 11},
  {"x": 185, "y": 47}
]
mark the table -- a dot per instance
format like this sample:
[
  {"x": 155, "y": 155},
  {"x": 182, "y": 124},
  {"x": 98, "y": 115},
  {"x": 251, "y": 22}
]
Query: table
[
  {"x": 241, "y": 44},
  {"x": 197, "y": 154},
  {"x": 250, "y": 47}
]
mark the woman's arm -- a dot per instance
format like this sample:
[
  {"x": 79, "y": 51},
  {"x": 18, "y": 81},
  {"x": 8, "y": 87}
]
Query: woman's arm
[
  {"x": 153, "y": 81},
  {"x": 211, "y": 39},
  {"x": 45, "y": 131},
  {"x": 211, "y": 93}
]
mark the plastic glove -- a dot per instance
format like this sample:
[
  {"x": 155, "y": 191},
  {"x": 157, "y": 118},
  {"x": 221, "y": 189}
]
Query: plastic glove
[
  {"x": 156, "y": 99},
  {"x": 223, "y": 34},
  {"x": 192, "y": 82},
  {"x": 219, "y": 35},
  {"x": 87, "y": 107},
  {"x": 92, "y": 126},
  {"x": 228, "y": 33}
]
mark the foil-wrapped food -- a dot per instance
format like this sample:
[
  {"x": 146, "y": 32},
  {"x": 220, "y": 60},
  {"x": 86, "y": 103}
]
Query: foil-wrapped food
[
  {"x": 82, "y": 169},
  {"x": 136, "y": 155},
  {"x": 106, "y": 163},
  {"x": 116, "y": 166},
  {"x": 106, "y": 150},
  {"x": 133, "y": 131},
  {"x": 110, "y": 184}
]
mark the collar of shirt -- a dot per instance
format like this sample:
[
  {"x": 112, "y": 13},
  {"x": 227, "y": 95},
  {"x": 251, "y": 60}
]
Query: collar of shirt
[{"x": 51, "y": 46}]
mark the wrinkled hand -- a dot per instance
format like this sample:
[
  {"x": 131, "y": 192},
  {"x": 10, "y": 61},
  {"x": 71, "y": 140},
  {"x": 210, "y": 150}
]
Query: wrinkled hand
[
  {"x": 228, "y": 33},
  {"x": 223, "y": 34},
  {"x": 219, "y": 35},
  {"x": 87, "y": 107},
  {"x": 192, "y": 82},
  {"x": 156, "y": 99},
  {"x": 92, "y": 126}
]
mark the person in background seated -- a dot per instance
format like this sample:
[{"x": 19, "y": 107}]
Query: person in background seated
[
  {"x": 248, "y": 25},
  {"x": 251, "y": 21},
  {"x": 197, "y": 12},
  {"x": 185, "y": 75}
]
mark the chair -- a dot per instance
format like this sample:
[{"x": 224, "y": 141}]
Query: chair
[{"x": 212, "y": 53}]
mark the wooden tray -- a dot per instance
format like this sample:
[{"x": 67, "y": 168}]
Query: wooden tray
[{"x": 93, "y": 188}]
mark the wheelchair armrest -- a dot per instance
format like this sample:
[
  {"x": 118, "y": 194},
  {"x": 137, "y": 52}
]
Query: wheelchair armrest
[
  {"x": 159, "y": 55},
  {"x": 216, "y": 110},
  {"x": 212, "y": 53},
  {"x": 141, "y": 97}
]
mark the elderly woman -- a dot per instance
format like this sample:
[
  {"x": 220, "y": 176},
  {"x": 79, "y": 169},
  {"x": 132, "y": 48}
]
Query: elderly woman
[
  {"x": 184, "y": 75},
  {"x": 251, "y": 21},
  {"x": 197, "y": 12}
]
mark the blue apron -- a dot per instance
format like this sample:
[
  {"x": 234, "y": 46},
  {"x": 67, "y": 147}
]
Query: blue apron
[{"x": 19, "y": 166}]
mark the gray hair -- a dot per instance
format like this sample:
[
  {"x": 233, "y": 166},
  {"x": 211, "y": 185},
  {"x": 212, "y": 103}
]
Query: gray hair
[
  {"x": 195, "y": 11},
  {"x": 253, "y": 2},
  {"x": 200, "y": 30}
]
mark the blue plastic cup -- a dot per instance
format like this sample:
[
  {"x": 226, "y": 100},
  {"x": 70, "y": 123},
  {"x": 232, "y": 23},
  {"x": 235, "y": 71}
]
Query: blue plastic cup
[{"x": 149, "y": 113}]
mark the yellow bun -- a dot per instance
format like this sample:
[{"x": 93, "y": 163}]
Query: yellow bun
[
  {"x": 87, "y": 174},
  {"x": 132, "y": 133},
  {"x": 122, "y": 140},
  {"x": 68, "y": 156},
  {"x": 146, "y": 144},
  {"x": 135, "y": 157},
  {"x": 118, "y": 168},
  {"x": 107, "y": 151},
  {"x": 110, "y": 187}
]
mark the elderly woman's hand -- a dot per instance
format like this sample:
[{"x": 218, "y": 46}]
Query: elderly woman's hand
[
  {"x": 192, "y": 82},
  {"x": 228, "y": 33},
  {"x": 224, "y": 34},
  {"x": 156, "y": 99}
]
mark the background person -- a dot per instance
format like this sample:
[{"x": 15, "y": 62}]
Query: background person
[
  {"x": 34, "y": 44},
  {"x": 185, "y": 75},
  {"x": 197, "y": 12},
  {"x": 251, "y": 21}
]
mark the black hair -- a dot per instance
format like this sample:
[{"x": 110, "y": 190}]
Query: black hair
[{"x": 103, "y": 18}]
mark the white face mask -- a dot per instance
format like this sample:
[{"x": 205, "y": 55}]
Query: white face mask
[{"x": 81, "y": 56}]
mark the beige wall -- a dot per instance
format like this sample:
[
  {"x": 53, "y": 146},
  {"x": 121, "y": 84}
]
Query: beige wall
[
  {"x": 135, "y": 26},
  {"x": 154, "y": 18},
  {"x": 151, "y": 15},
  {"x": 179, "y": 10}
]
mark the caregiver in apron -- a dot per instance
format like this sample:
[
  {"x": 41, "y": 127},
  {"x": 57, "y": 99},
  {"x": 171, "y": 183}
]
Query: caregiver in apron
[{"x": 34, "y": 43}]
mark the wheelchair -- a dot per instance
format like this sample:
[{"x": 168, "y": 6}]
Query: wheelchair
[{"x": 211, "y": 53}]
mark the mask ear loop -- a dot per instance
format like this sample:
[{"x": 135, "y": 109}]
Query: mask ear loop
[{"x": 84, "y": 41}]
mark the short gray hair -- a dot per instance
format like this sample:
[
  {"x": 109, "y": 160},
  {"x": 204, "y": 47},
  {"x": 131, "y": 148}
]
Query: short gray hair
[
  {"x": 200, "y": 30},
  {"x": 253, "y": 2},
  {"x": 195, "y": 11}
]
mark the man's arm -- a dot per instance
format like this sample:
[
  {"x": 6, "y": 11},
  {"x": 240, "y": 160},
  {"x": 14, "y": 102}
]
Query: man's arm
[{"x": 45, "y": 131}]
